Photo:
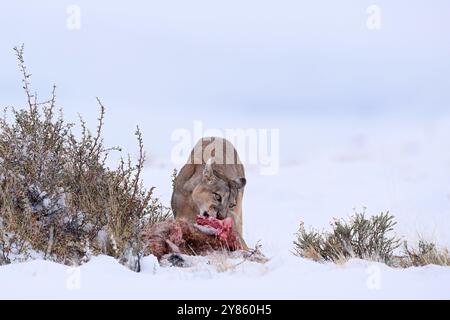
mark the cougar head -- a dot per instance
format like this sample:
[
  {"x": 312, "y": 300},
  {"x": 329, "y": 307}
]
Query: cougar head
[{"x": 216, "y": 195}]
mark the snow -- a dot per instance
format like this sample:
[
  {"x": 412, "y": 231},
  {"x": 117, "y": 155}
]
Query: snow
[
  {"x": 363, "y": 120},
  {"x": 392, "y": 168},
  {"x": 284, "y": 277}
]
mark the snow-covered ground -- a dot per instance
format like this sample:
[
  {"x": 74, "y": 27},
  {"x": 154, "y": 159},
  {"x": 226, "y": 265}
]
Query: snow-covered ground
[
  {"x": 285, "y": 277},
  {"x": 361, "y": 114},
  {"x": 399, "y": 167}
]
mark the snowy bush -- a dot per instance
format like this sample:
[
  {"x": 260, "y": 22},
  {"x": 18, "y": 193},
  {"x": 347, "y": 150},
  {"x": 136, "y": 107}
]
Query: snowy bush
[
  {"x": 425, "y": 253},
  {"x": 58, "y": 199},
  {"x": 365, "y": 238}
]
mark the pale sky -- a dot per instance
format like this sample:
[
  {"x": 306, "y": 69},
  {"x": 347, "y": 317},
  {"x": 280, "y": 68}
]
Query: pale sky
[{"x": 175, "y": 61}]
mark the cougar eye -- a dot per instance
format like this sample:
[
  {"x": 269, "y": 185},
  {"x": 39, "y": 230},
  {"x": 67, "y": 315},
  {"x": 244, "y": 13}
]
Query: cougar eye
[{"x": 217, "y": 197}]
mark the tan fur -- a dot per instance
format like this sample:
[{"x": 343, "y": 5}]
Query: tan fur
[{"x": 213, "y": 172}]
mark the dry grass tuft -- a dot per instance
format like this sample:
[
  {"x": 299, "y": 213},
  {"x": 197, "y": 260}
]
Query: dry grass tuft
[{"x": 424, "y": 254}]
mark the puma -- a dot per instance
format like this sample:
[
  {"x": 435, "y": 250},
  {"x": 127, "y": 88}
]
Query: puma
[{"x": 210, "y": 184}]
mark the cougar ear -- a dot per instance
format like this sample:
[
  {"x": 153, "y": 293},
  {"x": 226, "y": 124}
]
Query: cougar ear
[
  {"x": 208, "y": 173},
  {"x": 239, "y": 183}
]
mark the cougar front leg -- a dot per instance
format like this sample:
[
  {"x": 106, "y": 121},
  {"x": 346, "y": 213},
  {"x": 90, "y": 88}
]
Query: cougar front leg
[{"x": 238, "y": 220}]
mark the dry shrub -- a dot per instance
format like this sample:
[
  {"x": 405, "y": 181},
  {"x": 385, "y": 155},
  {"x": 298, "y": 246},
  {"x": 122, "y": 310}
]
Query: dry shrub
[
  {"x": 58, "y": 198},
  {"x": 365, "y": 238},
  {"x": 425, "y": 253}
]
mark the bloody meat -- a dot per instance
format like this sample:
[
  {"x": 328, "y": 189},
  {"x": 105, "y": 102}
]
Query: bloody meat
[{"x": 180, "y": 236}]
